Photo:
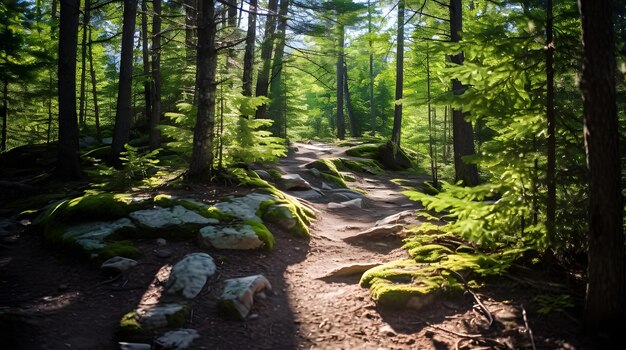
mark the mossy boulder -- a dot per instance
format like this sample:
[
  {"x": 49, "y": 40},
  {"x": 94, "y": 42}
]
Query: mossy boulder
[
  {"x": 249, "y": 235},
  {"x": 369, "y": 166},
  {"x": 388, "y": 154},
  {"x": 285, "y": 214},
  {"x": 368, "y": 150},
  {"x": 429, "y": 252}
]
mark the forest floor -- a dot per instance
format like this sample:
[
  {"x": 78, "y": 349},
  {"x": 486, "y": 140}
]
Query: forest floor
[{"x": 67, "y": 303}]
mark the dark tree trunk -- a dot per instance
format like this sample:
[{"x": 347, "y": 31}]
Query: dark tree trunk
[
  {"x": 397, "y": 112},
  {"x": 5, "y": 113},
  {"x": 94, "y": 91},
  {"x": 462, "y": 133},
  {"x": 190, "y": 33},
  {"x": 51, "y": 88},
  {"x": 123, "y": 113},
  {"x": 371, "y": 72},
  {"x": 605, "y": 301},
  {"x": 354, "y": 127},
  {"x": 262, "y": 82},
  {"x": 551, "y": 166},
  {"x": 82, "y": 115},
  {"x": 341, "y": 127},
  {"x": 248, "y": 58},
  {"x": 276, "y": 93},
  {"x": 201, "y": 163},
  {"x": 155, "y": 117},
  {"x": 68, "y": 164},
  {"x": 145, "y": 51}
]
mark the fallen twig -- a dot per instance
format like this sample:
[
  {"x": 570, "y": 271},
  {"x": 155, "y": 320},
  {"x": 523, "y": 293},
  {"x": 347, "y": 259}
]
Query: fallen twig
[
  {"x": 530, "y": 331},
  {"x": 467, "y": 288}
]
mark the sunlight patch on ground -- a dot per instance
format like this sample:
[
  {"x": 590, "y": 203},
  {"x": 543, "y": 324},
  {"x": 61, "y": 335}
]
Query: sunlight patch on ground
[
  {"x": 153, "y": 294},
  {"x": 53, "y": 303}
]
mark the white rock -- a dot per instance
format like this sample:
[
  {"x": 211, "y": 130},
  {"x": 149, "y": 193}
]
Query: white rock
[
  {"x": 190, "y": 274},
  {"x": 162, "y": 217},
  {"x": 229, "y": 237},
  {"x": 119, "y": 263},
  {"x": 244, "y": 207},
  {"x": 398, "y": 218},
  {"x": 179, "y": 339},
  {"x": 239, "y": 292},
  {"x": 354, "y": 203},
  {"x": 294, "y": 182},
  {"x": 91, "y": 235},
  {"x": 157, "y": 316},
  {"x": 134, "y": 346}
]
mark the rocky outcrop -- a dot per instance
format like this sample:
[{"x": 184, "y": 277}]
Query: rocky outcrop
[{"x": 163, "y": 217}]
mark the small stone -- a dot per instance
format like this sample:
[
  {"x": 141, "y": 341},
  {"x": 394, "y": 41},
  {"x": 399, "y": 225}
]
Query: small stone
[
  {"x": 119, "y": 264},
  {"x": 134, "y": 346},
  {"x": 161, "y": 241},
  {"x": 238, "y": 296},
  {"x": 190, "y": 274},
  {"x": 163, "y": 253},
  {"x": 387, "y": 330},
  {"x": 179, "y": 339},
  {"x": 253, "y": 317}
]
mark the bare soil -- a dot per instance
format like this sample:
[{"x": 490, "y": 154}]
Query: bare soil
[{"x": 64, "y": 302}]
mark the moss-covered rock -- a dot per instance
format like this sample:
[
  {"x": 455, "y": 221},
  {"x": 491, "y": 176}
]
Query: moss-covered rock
[
  {"x": 370, "y": 166},
  {"x": 284, "y": 214},
  {"x": 429, "y": 252},
  {"x": 369, "y": 150},
  {"x": 143, "y": 320},
  {"x": 263, "y": 233}
]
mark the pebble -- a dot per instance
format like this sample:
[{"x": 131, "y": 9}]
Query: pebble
[
  {"x": 163, "y": 253},
  {"x": 387, "y": 330},
  {"x": 161, "y": 241}
]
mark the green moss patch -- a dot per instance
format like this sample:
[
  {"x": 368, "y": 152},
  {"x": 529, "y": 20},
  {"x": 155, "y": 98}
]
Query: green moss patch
[
  {"x": 370, "y": 150},
  {"x": 263, "y": 233}
]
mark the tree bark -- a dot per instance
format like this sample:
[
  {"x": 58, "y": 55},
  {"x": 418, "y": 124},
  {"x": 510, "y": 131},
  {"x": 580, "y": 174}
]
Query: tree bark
[
  {"x": 201, "y": 163},
  {"x": 275, "y": 93},
  {"x": 155, "y": 117},
  {"x": 262, "y": 82},
  {"x": 82, "y": 117},
  {"x": 397, "y": 111},
  {"x": 145, "y": 52},
  {"x": 605, "y": 300},
  {"x": 248, "y": 58},
  {"x": 462, "y": 133},
  {"x": 94, "y": 91},
  {"x": 123, "y": 113},
  {"x": 354, "y": 128},
  {"x": 68, "y": 163},
  {"x": 551, "y": 136},
  {"x": 190, "y": 33},
  {"x": 341, "y": 127},
  {"x": 371, "y": 72},
  {"x": 5, "y": 113}
]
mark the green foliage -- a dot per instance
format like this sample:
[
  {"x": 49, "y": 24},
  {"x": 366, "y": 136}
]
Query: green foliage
[
  {"x": 263, "y": 233},
  {"x": 136, "y": 169},
  {"x": 548, "y": 303}
]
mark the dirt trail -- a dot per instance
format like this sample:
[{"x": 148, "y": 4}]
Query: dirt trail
[{"x": 66, "y": 302}]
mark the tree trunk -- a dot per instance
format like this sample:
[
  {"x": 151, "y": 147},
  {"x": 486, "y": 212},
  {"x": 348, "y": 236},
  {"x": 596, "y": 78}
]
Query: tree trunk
[
  {"x": 397, "y": 112},
  {"x": 276, "y": 93},
  {"x": 190, "y": 33},
  {"x": 5, "y": 113},
  {"x": 371, "y": 71},
  {"x": 248, "y": 58},
  {"x": 462, "y": 133},
  {"x": 263, "y": 78},
  {"x": 431, "y": 140},
  {"x": 155, "y": 117},
  {"x": 51, "y": 88},
  {"x": 94, "y": 91},
  {"x": 68, "y": 163},
  {"x": 551, "y": 144},
  {"x": 341, "y": 127},
  {"x": 354, "y": 128},
  {"x": 146, "y": 58},
  {"x": 82, "y": 117},
  {"x": 606, "y": 293},
  {"x": 201, "y": 163},
  {"x": 123, "y": 113}
]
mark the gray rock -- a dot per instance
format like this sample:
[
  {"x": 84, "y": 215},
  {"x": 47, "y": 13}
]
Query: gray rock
[
  {"x": 294, "y": 182},
  {"x": 134, "y": 346},
  {"x": 398, "y": 218},
  {"x": 161, "y": 316},
  {"x": 308, "y": 195},
  {"x": 325, "y": 186},
  {"x": 162, "y": 217},
  {"x": 240, "y": 237},
  {"x": 190, "y": 274},
  {"x": 315, "y": 172},
  {"x": 238, "y": 296},
  {"x": 352, "y": 269},
  {"x": 379, "y": 231},
  {"x": 91, "y": 235},
  {"x": 179, "y": 339},
  {"x": 244, "y": 207},
  {"x": 354, "y": 203},
  {"x": 161, "y": 241},
  {"x": 119, "y": 264},
  {"x": 344, "y": 194},
  {"x": 263, "y": 174}
]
